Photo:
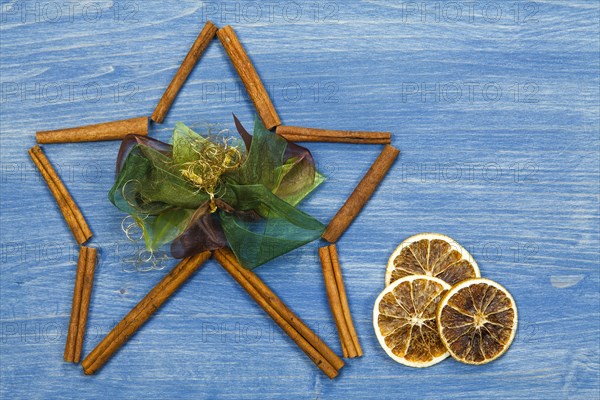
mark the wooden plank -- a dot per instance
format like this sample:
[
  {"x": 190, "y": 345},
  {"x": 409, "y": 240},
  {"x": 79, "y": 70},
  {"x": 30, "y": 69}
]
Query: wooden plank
[{"x": 497, "y": 122}]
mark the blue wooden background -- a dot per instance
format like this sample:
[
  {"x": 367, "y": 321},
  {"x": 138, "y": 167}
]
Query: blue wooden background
[{"x": 494, "y": 106}]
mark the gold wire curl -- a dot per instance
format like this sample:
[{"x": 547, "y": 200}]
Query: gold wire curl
[
  {"x": 143, "y": 260},
  {"x": 214, "y": 156}
]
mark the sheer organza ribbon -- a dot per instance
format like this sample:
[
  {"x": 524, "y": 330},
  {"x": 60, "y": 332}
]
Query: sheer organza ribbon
[{"x": 256, "y": 203}]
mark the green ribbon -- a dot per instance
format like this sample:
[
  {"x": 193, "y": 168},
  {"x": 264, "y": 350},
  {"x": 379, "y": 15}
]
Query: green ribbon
[{"x": 257, "y": 216}]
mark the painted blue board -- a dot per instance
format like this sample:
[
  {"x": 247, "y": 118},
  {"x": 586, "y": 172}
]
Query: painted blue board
[{"x": 494, "y": 105}]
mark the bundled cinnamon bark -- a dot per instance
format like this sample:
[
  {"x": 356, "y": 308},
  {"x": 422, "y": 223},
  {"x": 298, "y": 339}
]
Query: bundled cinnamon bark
[
  {"x": 338, "y": 301},
  {"x": 69, "y": 209},
  {"x": 82, "y": 293},
  {"x": 115, "y": 130}
]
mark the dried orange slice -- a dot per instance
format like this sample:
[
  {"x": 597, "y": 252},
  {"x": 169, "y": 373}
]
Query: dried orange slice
[
  {"x": 434, "y": 255},
  {"x": 404, "y": 318},
  {"x": 477, "y": 321}
]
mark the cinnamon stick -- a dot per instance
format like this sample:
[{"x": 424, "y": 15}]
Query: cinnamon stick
[
  {"x": 69, "y": 355},
  {"x": 86, "y": 295},
  {"x": 300, "y": 134},
  {"x": 81, "y": 301},
  {"x": 339, "y": 280},
  {"x": 303, "y": 336},
  {"x": 186, "y": 67},
  {"x": 142, "y": 312},
  {"x": 249, "y": 76},
  {"x": 361, "y": 194},
  {"x": 115, "y": 130},
  {"x": 335, "y": 303},
  {"x": 283, "y": 310},
  {"x": 69, "y": 209}
]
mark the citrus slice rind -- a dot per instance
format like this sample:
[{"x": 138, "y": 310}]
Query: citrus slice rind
[
  {"x": 431, "y": 254},
  {"x": 477, "y": 321},
  {"x": 404, "y": 320}
]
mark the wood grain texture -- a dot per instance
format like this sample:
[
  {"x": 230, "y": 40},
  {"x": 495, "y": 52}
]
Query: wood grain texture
[{"x": 497, "y": 121}]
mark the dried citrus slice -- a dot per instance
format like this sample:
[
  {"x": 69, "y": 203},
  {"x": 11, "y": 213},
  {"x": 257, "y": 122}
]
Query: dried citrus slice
[
  {"x": 431, "y": 254},
  {"x": 404, "y": 320},
  {"x": 477, "y": 321}
]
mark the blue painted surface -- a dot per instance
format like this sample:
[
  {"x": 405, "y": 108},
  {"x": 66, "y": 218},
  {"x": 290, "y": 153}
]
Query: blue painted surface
[{"x": 495, "y": 109}]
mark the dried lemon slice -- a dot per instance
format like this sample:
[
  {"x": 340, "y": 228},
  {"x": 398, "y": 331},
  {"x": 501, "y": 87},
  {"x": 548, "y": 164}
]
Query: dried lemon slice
[
  {"x": 434, "y": 255},
  {"x": 477, "y": 321},
  {"x": 404, "y": 320}
]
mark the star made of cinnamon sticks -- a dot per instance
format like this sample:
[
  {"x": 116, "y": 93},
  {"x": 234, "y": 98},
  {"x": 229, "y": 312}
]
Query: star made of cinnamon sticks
[{"x": 298, "y": 331}]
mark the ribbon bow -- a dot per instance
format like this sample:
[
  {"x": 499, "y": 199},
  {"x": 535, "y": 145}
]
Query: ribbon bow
[{"x": 252, "y": 211}]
